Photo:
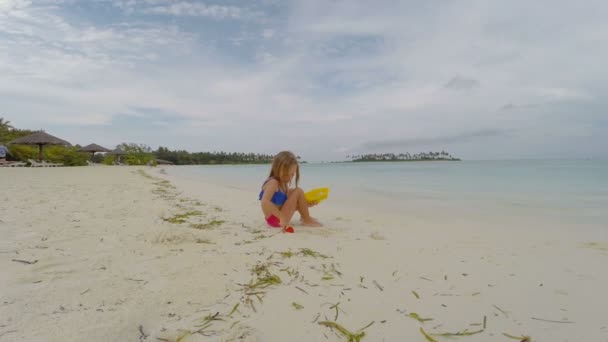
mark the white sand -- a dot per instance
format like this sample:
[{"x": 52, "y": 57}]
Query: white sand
[{"x": 106, "y": 264}]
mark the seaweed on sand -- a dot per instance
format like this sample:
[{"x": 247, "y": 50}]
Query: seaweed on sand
[
  {"x": 418, "y": 318},
  {"x": 264, "y": 278},
  {"x": 265, "y": 281},
  {"x": 234, "y": 309},
  {"x": 208, "y": 225},
  {"x": 207, "y": 321},
  {"x": 287, "y": 254},
  {"x": 427, "y": 336},
  {"x": 520, "y": 338},
  {"x": 460, "y": 333},
  {"x": 311, "y": 253},
  {"x": 350, "y": 337},
  {"x": 181, "y": 218}
]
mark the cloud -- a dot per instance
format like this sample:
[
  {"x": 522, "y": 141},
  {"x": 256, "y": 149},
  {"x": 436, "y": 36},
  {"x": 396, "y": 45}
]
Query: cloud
[
  {"x": 511, "y": 106},
  {"x": 333, "y": 73},
  {"x": 461, "y": 83},
  {"x": 436, "y": 140},
  {"x": 184, "y": 8},
  {"x": 268, "y": 33},
  {"x": 561, "y": 94},
  {"x": 85, "y": 74},
  {"x": 198, "y": 9}
]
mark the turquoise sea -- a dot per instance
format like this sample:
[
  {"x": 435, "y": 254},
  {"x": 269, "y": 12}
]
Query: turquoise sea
[{"x": 572, "y": 193}]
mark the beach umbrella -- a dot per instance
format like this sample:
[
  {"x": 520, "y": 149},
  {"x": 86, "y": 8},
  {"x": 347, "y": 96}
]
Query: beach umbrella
[
  {"x": 40, "y": 138},
  {"x": 92, "y": 148},
  {"x": 117, "y": 152}
]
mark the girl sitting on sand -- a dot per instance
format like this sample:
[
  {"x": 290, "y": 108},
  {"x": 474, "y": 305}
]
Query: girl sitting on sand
[{"x": 279, "y": 201}]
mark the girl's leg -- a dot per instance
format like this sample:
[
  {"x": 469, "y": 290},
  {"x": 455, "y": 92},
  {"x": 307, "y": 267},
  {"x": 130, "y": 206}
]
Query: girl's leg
[
  {"x": 297, "y": 201},
  {"x": 289, "y": 207}
]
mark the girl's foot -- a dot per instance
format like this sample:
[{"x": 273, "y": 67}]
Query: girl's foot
[{"x": 311, "y": 222}]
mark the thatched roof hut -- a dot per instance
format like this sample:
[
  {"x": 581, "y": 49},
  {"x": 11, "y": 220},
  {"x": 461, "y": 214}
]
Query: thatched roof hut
[
  {"x": 93, "y": 148},
  {"x": 41, "y": 139},
  {"x": 117, "y": 152}
]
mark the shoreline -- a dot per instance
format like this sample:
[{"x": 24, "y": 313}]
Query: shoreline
[{"x": 160, "y": 255}]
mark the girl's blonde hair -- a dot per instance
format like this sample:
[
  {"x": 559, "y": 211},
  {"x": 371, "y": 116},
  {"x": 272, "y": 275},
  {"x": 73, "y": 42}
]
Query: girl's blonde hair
[{"x": 281, "y": 164}]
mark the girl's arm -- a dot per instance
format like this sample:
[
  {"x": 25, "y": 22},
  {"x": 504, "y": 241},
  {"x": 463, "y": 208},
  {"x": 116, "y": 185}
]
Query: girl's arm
[{"x": 269, "y": 208}]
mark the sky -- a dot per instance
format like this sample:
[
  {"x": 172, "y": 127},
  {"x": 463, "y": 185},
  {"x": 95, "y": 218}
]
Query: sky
[{"x": 325, "y": 79}]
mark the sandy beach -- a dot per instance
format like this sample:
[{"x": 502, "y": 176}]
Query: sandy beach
[{"x": 136, "y": 254}]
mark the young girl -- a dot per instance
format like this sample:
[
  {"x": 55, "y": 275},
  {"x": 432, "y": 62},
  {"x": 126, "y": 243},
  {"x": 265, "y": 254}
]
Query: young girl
[{"x": 279, "y": 201}]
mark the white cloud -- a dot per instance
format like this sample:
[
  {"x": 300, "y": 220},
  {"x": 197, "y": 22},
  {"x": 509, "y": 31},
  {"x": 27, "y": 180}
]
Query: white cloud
[
  {"x": 14, "y": 7},
  {"x": 197, "y": 9},
  {"x": 461, "y": 83},
  {"x": 268, "y": 33},
  {"x": 184, "y": 8},
  {"x": 556, "y": 93},
  {"x": 337, "y": 73}
]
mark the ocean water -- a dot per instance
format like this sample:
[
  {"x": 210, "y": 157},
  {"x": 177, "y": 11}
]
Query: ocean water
[{"x": 571, "y": 193}]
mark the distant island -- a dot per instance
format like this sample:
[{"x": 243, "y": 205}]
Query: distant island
[{"x": 391, "y": 157}]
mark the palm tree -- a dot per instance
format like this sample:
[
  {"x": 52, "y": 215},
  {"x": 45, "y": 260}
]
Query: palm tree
[{"x": 5, "y": 125}]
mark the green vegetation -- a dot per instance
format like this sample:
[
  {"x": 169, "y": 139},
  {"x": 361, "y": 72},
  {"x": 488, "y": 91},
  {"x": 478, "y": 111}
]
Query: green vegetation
[
  {"x": 140, "y": 154},
  {"x": 136, "y": 154},
  {"x": 418, "y": 318},
  {"x": 182, "y": 157},
  {"x": 181, "y": 218},
  {"x": 68, "y": 156},
  {"x": 234, "y": 309},
  {"x": 350, "y": 337},
  {"x": 8, "y": 132},
  {"x": 430, "y": 156},
  {"x": 309, "y": 252},
  {"x": 287, "y": 254},
  {"x": 208, "y": 225},
  {"x": 265, "y": 281},
  {"x": 460, "y": 333},
  {"x": 600, "y": 246},
  {"x": 427, "y": 336}
]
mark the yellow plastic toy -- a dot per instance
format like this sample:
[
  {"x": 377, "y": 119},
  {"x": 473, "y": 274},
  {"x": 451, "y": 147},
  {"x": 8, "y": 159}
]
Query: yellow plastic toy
[{"x": 317, "y": 195}]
